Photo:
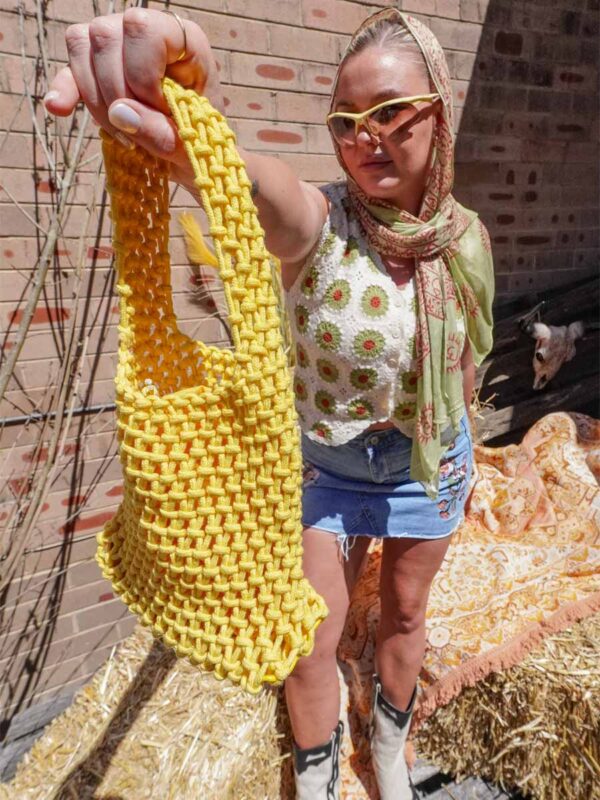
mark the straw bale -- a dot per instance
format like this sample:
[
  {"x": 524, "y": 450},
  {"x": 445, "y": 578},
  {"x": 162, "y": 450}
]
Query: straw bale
[
  {"x": 535, "y": 727},
  {"x": 151, "y": 726}
]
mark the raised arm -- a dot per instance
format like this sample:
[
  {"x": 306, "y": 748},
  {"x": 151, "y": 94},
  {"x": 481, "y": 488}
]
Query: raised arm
[{"x": 116, "y": 64}]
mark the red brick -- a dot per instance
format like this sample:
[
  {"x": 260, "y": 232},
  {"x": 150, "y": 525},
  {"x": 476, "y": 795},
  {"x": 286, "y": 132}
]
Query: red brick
[
  {"x": 228, "y": 32},
  {"x": 319, "y": 139},
  {"x": 304, "y": 108},
  {"x": 111, "y": 611},
  {"x": 304, "y": 44},
  {"x": 59, "y": 650},
  {"x": 35, "y": 600},
  {"x": 29, "y": 6},
  {"x": 85, "y": 523},
  {"x": 473, "y": 10},
  {"x": 581, "y": 151},
  {"x": 250, "y": 103},
  {"x": 286, "y": 11},
  {"x": 463, "y": 64},
  {"x": 416, "y": 7},
  {"x": 65, "y": 689},
  {"x": 318, "y": 78},
  {"x": 309, "y": 168},
  {"x": 457, "y": 35},
  {"x": 447, "y": 8},
  {"x": 266, "y": 71},
  {"x": 40, "y": 316},
  {"x": 82, "y": 11},
  {"x": 46, "y": 559},
  {"x": 24, "y": 639},
  {"x": 333, "y": 15},
  {"x": 276, "y": 72},
  {"x": 73, "y": 500},
  {"x": 278, "y": 136},
  {"x": 255, "y": 135},
  {"x": 100, "y": 253},
  {"x": 83, "y": 573}
]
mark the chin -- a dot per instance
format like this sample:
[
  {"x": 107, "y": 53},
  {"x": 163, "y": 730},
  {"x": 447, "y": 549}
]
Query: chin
[{"x": 384, "y": 188}]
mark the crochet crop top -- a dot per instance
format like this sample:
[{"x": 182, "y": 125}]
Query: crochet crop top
[{"x": 354, "y": 332}]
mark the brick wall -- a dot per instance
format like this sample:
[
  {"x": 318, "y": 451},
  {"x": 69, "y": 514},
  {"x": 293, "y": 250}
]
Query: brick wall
[{"x": 525, "y": 88}]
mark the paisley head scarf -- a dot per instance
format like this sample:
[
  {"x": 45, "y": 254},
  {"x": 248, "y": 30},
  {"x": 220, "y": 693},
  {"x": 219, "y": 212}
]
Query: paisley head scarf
[{"x": 454, "y": 268}]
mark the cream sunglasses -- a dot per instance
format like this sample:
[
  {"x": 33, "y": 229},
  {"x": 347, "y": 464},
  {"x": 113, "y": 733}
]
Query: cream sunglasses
[{"x": 382, "y": 119}]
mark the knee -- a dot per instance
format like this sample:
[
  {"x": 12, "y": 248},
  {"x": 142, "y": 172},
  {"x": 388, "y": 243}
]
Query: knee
[
  {"x": 403, "y": 612},
  {"x": 324, "y": 654}
]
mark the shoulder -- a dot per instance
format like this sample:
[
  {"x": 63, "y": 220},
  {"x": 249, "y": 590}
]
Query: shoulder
[
  {"x": 336, "y": 194},
  {"x": 338, "y": 202},
  {"x": 332, "y": 237}
]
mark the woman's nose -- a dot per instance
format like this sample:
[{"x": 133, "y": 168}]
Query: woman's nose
[{"x": 364, "y": 137}]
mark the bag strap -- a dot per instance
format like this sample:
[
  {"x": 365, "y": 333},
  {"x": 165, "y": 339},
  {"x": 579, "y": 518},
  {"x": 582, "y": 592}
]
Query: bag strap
[
  {"x": 224, "y": 187},
  {"x": 138, "y": 183}
]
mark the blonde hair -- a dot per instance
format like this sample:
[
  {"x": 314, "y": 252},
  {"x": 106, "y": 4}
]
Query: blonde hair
[{"x": 388, "y": 34}]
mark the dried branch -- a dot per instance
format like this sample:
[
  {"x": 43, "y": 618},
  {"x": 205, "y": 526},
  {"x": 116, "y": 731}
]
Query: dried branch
[{"x": 32, "y": 494}]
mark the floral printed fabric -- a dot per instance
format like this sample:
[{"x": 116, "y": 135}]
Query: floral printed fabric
[
  {"x": 525, "y": 563},
  {"x": 354, "y": 331}
]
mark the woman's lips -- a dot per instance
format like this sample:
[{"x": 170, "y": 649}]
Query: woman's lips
[{"x": 375, "y": 164}]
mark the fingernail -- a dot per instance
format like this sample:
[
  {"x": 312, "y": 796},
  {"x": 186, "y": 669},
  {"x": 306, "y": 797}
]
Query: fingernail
[
  {"x": 124, "y": 118},
  {"x": 49, "y": 97},
  {"x": 125, "y": 140}
]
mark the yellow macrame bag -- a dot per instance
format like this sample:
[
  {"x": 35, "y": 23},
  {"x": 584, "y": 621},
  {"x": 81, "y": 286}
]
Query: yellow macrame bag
[{"x": 206, "y": 545}]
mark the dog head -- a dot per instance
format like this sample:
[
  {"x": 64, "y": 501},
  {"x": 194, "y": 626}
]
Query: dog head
[{"x": 553, "y": 347}]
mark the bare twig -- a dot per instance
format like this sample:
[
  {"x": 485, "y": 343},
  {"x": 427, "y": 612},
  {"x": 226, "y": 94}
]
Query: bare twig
[{"x": 38, "y": 134}]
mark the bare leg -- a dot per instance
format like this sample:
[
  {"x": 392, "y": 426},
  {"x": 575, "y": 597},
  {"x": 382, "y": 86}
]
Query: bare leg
[
  {"x": 312, "y": 690},
  {"x": 408, "y": 568}
]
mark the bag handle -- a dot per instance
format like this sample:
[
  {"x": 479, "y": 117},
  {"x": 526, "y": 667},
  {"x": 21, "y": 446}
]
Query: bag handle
[
  {"x": 139, "y": 185},
  {"x": 224, "y": 188}
]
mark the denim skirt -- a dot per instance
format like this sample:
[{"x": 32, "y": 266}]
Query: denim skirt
[{"x": 363, "y": 487}]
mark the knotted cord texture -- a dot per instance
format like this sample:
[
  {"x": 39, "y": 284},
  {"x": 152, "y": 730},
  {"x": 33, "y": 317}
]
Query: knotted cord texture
[{"x": 206, "y": 545}]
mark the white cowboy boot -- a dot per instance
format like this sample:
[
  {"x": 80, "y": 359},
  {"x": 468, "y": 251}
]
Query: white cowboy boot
[
  {"x": 389, "y": 730},
  {"x": 317, "y": 769}
]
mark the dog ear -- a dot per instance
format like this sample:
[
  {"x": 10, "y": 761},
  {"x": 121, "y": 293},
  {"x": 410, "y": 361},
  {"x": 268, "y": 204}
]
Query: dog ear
[
  {"x": 575, "y": 330},
  {"x": 540, "y": 332}
]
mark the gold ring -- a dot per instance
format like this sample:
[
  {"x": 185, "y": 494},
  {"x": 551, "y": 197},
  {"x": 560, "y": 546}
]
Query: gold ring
[{"x": 183, "y": 53}]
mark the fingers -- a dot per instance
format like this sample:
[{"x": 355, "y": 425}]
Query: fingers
[
  {"x": 63, "y": 94},
  {"x": 148, "y": 31},
  {"x": 118, "y": 61},
  {"x": 81, "y": 65},
  {"x": 149, "y": 128},
  {"x": 106, "y": 44}
]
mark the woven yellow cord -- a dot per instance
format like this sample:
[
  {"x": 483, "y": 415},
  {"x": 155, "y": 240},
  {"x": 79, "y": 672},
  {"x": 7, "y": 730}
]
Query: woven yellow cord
[{"x": 206, "y": 545}]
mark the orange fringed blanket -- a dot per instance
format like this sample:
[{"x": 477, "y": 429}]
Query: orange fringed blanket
[{"x": 525, "y": 563}]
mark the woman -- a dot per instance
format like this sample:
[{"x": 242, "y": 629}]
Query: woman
[{"x": 389, "y": 283}]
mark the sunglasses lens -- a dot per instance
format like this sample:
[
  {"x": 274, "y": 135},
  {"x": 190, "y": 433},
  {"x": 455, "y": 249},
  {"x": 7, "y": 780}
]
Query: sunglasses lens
[
  {"x": 392, "y": 116},
  {"x": 342, "y": 129}
]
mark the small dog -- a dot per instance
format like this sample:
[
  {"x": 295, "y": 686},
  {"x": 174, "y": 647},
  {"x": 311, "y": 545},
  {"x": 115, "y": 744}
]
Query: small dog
[{"x": 553, "y": 348}]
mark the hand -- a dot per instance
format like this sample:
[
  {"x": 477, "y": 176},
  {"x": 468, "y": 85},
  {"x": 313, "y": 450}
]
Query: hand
[{"x": 116, "y": 64}]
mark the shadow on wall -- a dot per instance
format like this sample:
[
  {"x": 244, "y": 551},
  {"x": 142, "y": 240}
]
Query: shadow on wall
[{"x": 527, "y": 140}]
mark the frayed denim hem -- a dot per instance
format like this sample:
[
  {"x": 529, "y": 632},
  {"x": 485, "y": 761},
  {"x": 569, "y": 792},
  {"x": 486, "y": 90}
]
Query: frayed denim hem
[{"x": 346, "y": 541}]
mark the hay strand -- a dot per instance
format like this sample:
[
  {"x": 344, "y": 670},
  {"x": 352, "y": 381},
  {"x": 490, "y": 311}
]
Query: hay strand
[
  {"x": 535, "y": 726},
  {"x": 151, "y": 726}
]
